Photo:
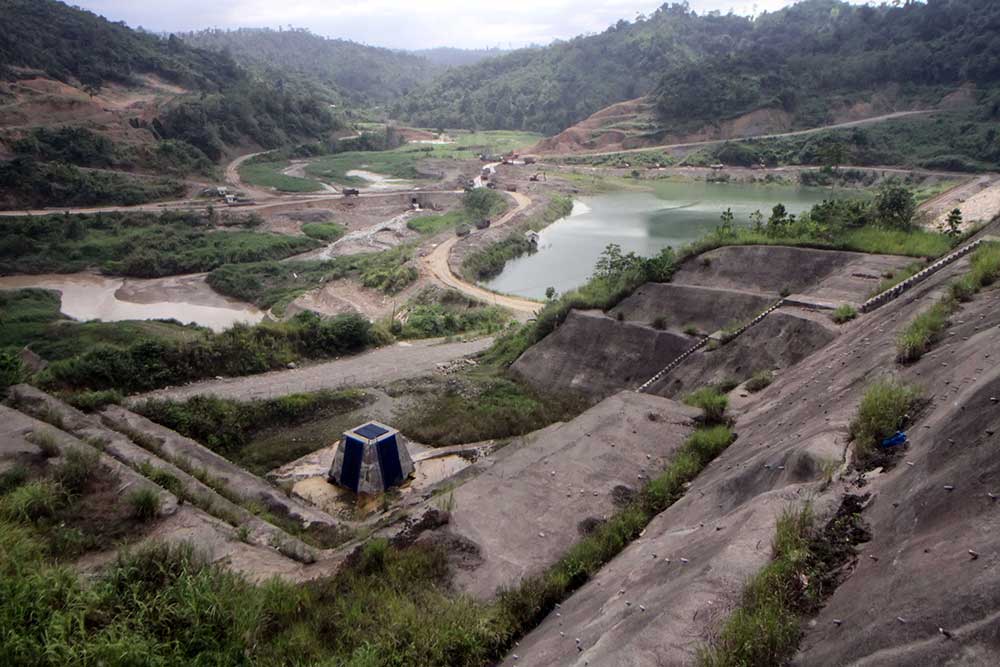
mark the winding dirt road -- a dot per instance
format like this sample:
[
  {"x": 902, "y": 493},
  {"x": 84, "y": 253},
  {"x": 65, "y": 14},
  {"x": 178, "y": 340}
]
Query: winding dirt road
[
  {"x": 437, "y": 266},
  {"x": 756, "y": 137}
]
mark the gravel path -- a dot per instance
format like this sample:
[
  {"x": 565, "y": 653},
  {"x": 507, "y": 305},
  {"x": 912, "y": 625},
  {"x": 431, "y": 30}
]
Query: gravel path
[{"x": 398, "y": 362}]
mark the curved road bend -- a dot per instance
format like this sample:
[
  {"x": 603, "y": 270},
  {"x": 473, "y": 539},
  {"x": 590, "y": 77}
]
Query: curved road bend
[
  {"x": 386, "y": 364},
  {"x": 437, "y": 265}
]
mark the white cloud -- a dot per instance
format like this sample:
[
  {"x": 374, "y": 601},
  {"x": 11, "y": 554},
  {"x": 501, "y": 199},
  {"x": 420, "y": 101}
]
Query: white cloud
[{"x": 406, "y": 24}]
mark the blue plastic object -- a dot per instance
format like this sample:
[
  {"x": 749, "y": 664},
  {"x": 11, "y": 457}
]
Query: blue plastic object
[{"x": 893, "y": 441}]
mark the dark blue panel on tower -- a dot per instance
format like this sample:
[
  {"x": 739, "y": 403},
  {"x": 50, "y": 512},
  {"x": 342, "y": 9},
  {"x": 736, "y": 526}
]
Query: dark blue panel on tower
[
  {"x": 350, "y": 473},
  {"x": 388, "y": 460},
  {"x": 370, "y": 431}
]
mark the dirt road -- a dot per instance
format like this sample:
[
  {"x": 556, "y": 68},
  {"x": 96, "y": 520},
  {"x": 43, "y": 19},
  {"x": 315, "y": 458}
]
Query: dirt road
[
  {"x": 796, "y": 133},
  {"x": 436, "y": 264},
  {"x": 386, "y": 364}
]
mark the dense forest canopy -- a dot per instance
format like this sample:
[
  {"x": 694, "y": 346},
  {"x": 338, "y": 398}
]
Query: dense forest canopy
[
  {"x": 228, "y": 105},
  {"x": 69, "y": 43},
  {"x": 712, "y": 66},
  {"x": 360, "y": 74}
]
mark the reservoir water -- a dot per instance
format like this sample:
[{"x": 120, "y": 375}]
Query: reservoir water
[
  {"x": 642, "y": 222},
  {"x": 87, "y": 296}
]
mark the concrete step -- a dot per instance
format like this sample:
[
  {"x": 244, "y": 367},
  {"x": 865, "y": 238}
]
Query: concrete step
[
  {"x": 120, "y": 447},
  {"x": 191, "y": 455}
]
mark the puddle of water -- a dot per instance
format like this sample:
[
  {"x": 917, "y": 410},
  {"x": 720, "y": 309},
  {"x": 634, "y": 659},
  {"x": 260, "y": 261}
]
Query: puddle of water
[{"x": 87, "y": 296}]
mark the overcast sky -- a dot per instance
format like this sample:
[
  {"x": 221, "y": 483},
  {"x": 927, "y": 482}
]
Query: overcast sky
[{"x": 405, "y": 24}]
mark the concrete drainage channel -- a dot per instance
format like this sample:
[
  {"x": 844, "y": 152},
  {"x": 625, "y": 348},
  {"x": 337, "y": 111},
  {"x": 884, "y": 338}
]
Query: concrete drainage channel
[
  {"x": 871, "y": 304},
  {"x": 703, "y": 342},
  {"x": 896, "y": 290}
]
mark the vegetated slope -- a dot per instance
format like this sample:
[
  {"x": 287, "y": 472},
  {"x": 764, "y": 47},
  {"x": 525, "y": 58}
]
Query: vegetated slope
[
  {"x": 358, "y": 73},
  {"x": 547, "y": 89},
  {"x": 452, "y": 57},
  {"x": 812, "y": 61},
  {"x": 210, "y": 104}
]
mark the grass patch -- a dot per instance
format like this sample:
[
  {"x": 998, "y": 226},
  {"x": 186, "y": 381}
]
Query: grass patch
[
  {"x": 924, "y": 331},
  {"x": 434, "y": 313},
  {"x": 759, "y": 381},
  {"x": 32, "y": 501},
  {"x": 712, "y": 402},
  {"x": 144, "y": 503},
  {"x": 230, "y": 427},
  {"x": 484, "y": 406},
  {"x": 136, "y": 244},
  {"x": 844, "y": 313},
  {"x": 268, "y": 175},
  {"x": 885, "y": 408},
  {"x": 323, "y": 231},
  {"x": 275, "y": 284},
  {"x": 429, "y": 225}
]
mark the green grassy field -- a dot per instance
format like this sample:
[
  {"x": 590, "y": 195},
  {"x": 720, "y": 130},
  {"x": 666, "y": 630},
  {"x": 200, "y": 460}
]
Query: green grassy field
[
  {"x": 137, "y": 244},
  {"x": 396, "y": 163},
  {"x": 268, "y": 175}
]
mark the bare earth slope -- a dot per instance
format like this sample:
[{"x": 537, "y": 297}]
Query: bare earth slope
[{"x": 642, "y": 609}]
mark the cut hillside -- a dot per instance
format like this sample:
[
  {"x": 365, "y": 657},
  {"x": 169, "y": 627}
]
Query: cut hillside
[
  {"x": 919, "y": 588},
  {"x": 711, "y": 294}
]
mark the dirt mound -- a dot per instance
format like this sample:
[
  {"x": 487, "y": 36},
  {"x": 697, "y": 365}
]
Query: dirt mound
[
  {"x": 648, "y": 606},
  {"x": 782, "y": 339},
  {"x": 679, "y": 306},
  {"x": 771, "y": 269},
  {"x": 595, "y": 355},
  {"x": 598, "y": 131}
]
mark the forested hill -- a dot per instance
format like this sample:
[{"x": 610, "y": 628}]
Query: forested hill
[
  {"x": 451, "y": 57},
  {"x": 360, "y": 74},
  {"x": 710, "y": 67},
  {"x": 68, "y": 43},
  {"x": 226, "y": 105},
  {"x": 549, "y": 88}
]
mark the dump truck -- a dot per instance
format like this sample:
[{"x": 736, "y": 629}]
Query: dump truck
[{"x": 351, "y": 192}]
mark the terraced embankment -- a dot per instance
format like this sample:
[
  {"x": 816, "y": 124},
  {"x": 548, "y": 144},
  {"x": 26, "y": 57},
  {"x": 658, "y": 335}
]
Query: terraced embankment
[
  {"x": 596, "y": 354},
  {"x": 922, "y": 591}
]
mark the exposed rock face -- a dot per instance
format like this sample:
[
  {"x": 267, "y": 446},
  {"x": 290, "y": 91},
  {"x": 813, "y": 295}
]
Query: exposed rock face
[{"x": 678, "y": 306}]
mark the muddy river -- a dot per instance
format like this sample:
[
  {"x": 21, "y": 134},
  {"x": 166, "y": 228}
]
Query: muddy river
[
  {"x": 643, "y": 222},
  {"x": 87, "y": 296}
]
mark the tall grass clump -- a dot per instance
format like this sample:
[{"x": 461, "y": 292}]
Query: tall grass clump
[
  {"x": 923, "y": 331},
  {"x": 884, "y": 409},
  {"x": 844, "y": 313},
  {"x": 32, "y": 501},
  {"x": 145, "y": 503},
  {"x": 764, "y": 629},
  {"x": 759, "y": 381},
  {"x": 712, "y": 402}
]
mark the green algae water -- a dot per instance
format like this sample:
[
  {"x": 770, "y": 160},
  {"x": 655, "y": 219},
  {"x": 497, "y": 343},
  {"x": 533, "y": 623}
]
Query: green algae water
[{"x": 642, "y": 222}]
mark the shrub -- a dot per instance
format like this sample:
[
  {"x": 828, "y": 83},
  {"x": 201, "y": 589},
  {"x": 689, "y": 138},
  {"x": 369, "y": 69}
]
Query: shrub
[
  {"x": 12, "y": 478},
  {"x": 712, "y": 402},
  {"x": 844, "y": 313},
  {"x": 145, "y": 504},
  {"x": 76, "y": 470},
  {"x": 659, "y": 323},
  {"x": 89, "y": 401},
  {"x": 691, "y": 330},
  {"x": 759, "y": 381},
  {"x": 32, "y": 501},
  {"x": 923, "y": 331},
  {"x": 884, "y": 409},
  {"x": 11, "y": 369}
]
